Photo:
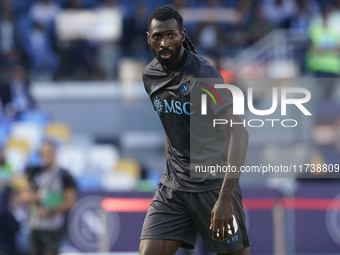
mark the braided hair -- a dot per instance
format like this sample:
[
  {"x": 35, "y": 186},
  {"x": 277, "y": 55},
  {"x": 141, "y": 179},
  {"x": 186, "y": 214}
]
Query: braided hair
[
  {"x": 166, "y": 13},
  {"x": 187, "y": 44}
]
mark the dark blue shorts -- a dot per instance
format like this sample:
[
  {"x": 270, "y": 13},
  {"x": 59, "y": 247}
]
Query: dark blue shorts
[{"x": 178, "y": 215}]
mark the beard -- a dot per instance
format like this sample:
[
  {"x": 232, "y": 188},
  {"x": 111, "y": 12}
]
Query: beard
[{"x": 173, "y": 55}]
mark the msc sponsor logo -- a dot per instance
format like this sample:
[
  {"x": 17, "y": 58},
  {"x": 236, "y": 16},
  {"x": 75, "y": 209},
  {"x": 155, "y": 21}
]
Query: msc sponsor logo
[
  {"x": 158, "y": 105},
  {"x": 172, "y": 106}
]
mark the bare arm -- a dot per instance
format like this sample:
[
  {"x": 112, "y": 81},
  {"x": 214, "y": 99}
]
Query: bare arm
[
  {"x": 28, "y": 195},
  {"x": 70, "y": 198},
  {"x": 222, "y": 213}
]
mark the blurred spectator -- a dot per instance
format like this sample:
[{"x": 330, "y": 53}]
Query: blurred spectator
[
  {"x": 301, "y": 21},
  {"x": 76, "y": 4},
  {"x": 51, "y": 195},
  {"x": 6, "y": 6},
  {"x": 8, "y": 40},
  {"x": 246, "y": 10},
  {"x": 109, "y": 52},
  {"x": 259, "y": 27},
  {"x": 79, "y": 61},
  {"x": 279, "y": 12},
  {"x": 44, "y": 60},
  {"x": 110, "y": 4},
  {"x": 178, "y": 4},
  {"x": 134, "y": 41},
  {"x": 79, "y": 57},
  {"x": 44, "y": 12},
  {"x": 239, "y": 33},
  {"x": 14, "y": 93},
  {"x": 209, "y": 39},
  {"x": 212, "y": 3},
  {"x": 323, "y": 56},
  {"x": 13, "y": 221},
  {"x": 5, "y": 171}
]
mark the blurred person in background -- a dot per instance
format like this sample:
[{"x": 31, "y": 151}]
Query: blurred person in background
[
  {"x": 79, "y": 57},
  {"x": 210, "y": 39},
  {"x": 109, "y": 52},
  {"x": 44, "y": 61},
  {"x": 13, "y": 221},
  {"x": 76, "y": 4},
  {"x": 259, "y": 27},
  {"x": 323, "y": 56},
  {"x": 44, "y": 11},
  {"x": 279, "y": 12},
  {"x": 6, "y": 174},
  {"x": 306, "y": 9},
  {"x": 9, "y": 52},
  {"x": 178, "y": 4},
  {"x": 133, "y": 42},
  {"x": 14, "y": 92},
  {"x": 51, "y": 194},
  {"x": 5, "y": 171}
]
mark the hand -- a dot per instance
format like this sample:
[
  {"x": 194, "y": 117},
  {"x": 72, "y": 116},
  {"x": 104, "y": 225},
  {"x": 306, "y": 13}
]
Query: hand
[
  {"x": 221, "y": 217},
  {"x": 44, "y": 212}
]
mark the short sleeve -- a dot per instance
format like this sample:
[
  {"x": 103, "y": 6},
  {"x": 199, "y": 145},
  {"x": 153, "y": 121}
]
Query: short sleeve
[{"x": 68, "y": 180}]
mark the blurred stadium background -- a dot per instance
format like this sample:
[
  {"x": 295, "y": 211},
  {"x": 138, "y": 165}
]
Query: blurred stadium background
[{"x": 83, "y": 60}]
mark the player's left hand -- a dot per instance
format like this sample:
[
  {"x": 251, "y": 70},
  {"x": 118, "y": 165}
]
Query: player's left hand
[{"x": 221, "y": 217}]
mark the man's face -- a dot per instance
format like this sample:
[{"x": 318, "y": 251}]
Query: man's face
[
  {"x": 47, "y": 155},
  {"x": 165, "y": 41}
]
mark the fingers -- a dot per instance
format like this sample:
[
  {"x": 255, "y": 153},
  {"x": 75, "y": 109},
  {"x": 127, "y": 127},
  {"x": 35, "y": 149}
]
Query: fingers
[
  {"x": 220, "y": 228},
  {"x": 213, "y": 226},
  {"x": 231, "y": 224},
  {"x": 220, "y": 231}
]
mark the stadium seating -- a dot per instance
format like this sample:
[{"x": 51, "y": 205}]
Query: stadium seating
[
  {"x": 72, "y": 158},
  {"x": 130, "y": 166},
  {"x": 103, "y": 158},
  {"x": 59, "y": 131},
  {"x": 27, "y": 131}
]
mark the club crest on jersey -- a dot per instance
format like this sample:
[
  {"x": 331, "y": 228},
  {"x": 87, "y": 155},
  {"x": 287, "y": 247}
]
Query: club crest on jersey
[
  {"x": 185, "y": 88},
  {"x": 158, "y": 105}
]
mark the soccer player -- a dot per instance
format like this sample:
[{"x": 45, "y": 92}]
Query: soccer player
[{"x": 183, "y": 206}]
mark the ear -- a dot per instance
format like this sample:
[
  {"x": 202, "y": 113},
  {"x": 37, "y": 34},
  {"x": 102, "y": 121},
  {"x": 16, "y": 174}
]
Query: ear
[
  {"x": 148, "y": 37},
  {"x": 183, "y": 33}
]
